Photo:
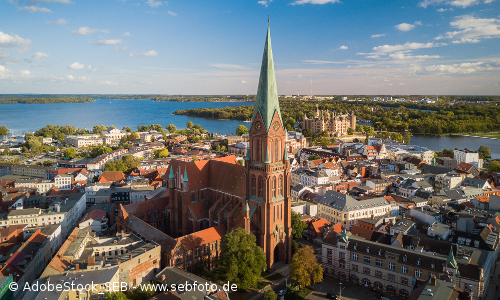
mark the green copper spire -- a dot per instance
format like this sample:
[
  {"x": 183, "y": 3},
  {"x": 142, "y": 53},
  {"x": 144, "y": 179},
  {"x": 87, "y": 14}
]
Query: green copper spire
[
  {"x": 267, "y": 93},
  {"x": 185, "y": 179},
  {"x": 267, "y": 161},
  {"x": 171, "y": 175},
  {"x": 247, "y": 157},
  {"x": 451, "y": 260},
  {"x": 344, "y": 237},
  {"x": 247, "y": 208},
  {"x": 285, "y": 155}
]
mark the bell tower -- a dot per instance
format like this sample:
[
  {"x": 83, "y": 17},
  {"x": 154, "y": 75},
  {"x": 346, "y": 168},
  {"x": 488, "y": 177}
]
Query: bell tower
[{"x": 267, "y": 168}]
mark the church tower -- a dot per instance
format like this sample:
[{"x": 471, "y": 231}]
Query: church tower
[{"x": 267, "y": 168}]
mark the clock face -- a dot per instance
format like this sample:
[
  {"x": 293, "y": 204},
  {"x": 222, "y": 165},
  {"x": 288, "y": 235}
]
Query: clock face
[
  {"x": 276, "y": 126},
  {"x": 258, "y": 125}
]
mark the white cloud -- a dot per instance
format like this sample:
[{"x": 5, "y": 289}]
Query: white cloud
[
  {"x": 108, "y": 42},
  {"x": 343, "y": 47},
  {"x": 243, "y": 81},
  {"x": 472, "y": 29},
  {"x": 36, "y": 57},
  {"x": 58, "y": 22},
  {"x": 34, "y": 9},
  {"x": 229, "y": 66},
  {"x": 7, "y": 40},
  {"x": 120, "y": 48},
  {"x": 406, "y": 26},
  {"x": 127, "y": 34},
  {"x": 407, "y": 46},
  {"x": 377, "y": 35},
  {"x": 463, "y": 68},
  {"x": 6, "y": 58},
  {"x": 456, "y": 3},
  {"x": 265, "y": 2},
  {"x": 149, "y": 53},
  {"x": 171, "y": 13},
  {"x": 321, "y": 62},
  {"x": 444, "y": 9},
  {"x": 50, "y": 1},
  {"x": 299, "y": 2},
  {"x": 87, "y": 31},
  {"x": 25, "y": 72},
  {"x": 153, "y": 3},
  {"x": 76, "y": 66},
  {"x": 107, "y": 82},
  {"x": 402, "y": 55}
]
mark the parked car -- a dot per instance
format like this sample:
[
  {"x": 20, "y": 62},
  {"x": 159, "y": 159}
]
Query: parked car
[
  {"x": 332, "y": 296},
  {"x": 281, "y": 293}
]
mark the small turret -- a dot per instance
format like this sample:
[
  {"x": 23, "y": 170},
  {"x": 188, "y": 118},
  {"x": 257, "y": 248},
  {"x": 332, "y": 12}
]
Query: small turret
[
  {"x": 185, "y": 181},
  {"x": 171, "y": 178}
]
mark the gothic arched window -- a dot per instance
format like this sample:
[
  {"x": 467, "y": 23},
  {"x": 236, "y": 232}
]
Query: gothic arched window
[
  {"x": 261, "y": 187},
  {"x": 276, "y": 150},
  {"x": 257, "y": 151},
  {"x": 254, "y": 185},
  {"x": 275, "y": 190},
  {"x": 280, "y": 185}
]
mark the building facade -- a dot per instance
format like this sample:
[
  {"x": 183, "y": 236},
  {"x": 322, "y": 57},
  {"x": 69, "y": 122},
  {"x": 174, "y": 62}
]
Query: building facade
[{"x": 335, "y": 124}]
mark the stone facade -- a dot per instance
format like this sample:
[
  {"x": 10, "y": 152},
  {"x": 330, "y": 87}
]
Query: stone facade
[{"x": 336, "y": 124}]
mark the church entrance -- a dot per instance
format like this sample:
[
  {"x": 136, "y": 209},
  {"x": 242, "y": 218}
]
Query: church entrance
[{"x": 279, "y": 252}]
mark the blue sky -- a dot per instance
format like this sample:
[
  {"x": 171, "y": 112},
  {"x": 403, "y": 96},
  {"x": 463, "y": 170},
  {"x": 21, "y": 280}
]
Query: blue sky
[{"x": 215, "y": 47}]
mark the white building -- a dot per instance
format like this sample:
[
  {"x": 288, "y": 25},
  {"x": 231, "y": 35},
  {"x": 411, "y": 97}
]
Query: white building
[
  {"x": 468, "y": 157},
  {"x": 63, "y": 182}
]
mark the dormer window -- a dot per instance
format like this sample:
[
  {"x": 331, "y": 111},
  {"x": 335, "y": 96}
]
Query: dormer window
[
  {"x": 356, "y": 247},
  {"x": 379, "y": 252},
  {"x": 418, "y": 262},
  {"x": 405, "y": 258},
  {"x": 432, "y": 265},
  {"x": 367, "y": 249}
]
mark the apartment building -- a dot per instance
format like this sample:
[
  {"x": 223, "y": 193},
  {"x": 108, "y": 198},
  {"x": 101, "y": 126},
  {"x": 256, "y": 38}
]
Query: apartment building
[
  {"x": 41, "y": 185},
  {"x": 338, "y": 207},
  {"x": 394, "y": 264},
  {"x": 63, "y": 182},
  {"x": 90, "y": 140},
  {"x": 467, "y": 156}
]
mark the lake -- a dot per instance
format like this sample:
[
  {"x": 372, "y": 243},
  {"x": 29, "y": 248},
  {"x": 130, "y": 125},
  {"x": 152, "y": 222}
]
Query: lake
[
  {"x": 461, "y": 142},
  {"x": 22, "y": 118}
]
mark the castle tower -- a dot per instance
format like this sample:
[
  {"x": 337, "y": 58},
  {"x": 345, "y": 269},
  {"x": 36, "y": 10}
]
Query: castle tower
[
  {"x": 316, "y": 111},
  {"x": 267, "y": 168}
]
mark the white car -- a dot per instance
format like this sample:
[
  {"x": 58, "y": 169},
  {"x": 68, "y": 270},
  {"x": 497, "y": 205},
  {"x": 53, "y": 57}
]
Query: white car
[{"x": 281, "y": 293}]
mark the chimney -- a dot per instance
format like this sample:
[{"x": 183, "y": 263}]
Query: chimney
[
  {"x": 130, "y": 256},
  {"x": 373, "y": 217},
  {"x": 77, "y": 267},
  {"x": 162, "y": 277},
  {"x": 433, "y": 281},
  {"x": 145, "y": 251}
]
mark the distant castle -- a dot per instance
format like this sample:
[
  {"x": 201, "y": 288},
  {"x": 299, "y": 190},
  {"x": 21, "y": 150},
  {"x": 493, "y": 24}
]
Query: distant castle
[{"x": 336, "y": 124}]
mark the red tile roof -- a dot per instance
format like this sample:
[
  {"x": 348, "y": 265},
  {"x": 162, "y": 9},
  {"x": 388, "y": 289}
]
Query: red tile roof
[
  {"x": 209, "y": 235},
  {"x": 320, "y": 225},
  {"x": 112, "y": 176},
  {"x": 96, "y": 214}
]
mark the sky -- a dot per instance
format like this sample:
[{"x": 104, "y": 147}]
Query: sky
[{"x": 214, "y": 47}]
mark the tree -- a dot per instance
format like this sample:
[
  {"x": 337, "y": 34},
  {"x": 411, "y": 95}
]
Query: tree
[
  {"x": 298, "y": 226},
  {"x": 24, "y": 149},
  {"x": 369, "y": 131},
  {"x": 350, "y": 131},
  {"x": 295, "y": 246},
  {"x": 143, "y": 292},
  {"x": 133, "y": 136},
  {"x": 127, "y": 129},
  {"x": 494, "y": 166},
  {"x": 4, "y": 131},
  {"x": 313, "y": 157},
  {"x": 324, "y": 141},
  {"x": 241, "y": 130},
  {"x": 47, "y": 163},
  {"x": 194, "y": 158},
  {"x": 70, "y": 152},
  {"x": 484, "y": 152},
  {"x": 171, "y": 128},
  {"x": 305, "y": 267},
  {"x": 270, "y": 295},
  {"x": 189, "y": 125},
  {"x": 241, "y": 261},
  {"x": 98, "y": 129},
  {"x": 115, "y": 296},
  {"x": 307, "y": 132},
  {"x": 161, "y": 153},
  {"x": 407, "y": 137}
]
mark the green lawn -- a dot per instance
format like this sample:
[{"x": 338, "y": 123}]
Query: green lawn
[
  {"x": 495, "y": 135},
  {"x": 274, "y": 277},
  {"x": 302, "y": 294}
]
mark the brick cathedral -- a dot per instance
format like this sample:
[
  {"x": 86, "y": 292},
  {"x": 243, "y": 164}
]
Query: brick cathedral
[{"x": 222, "y": 195}]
